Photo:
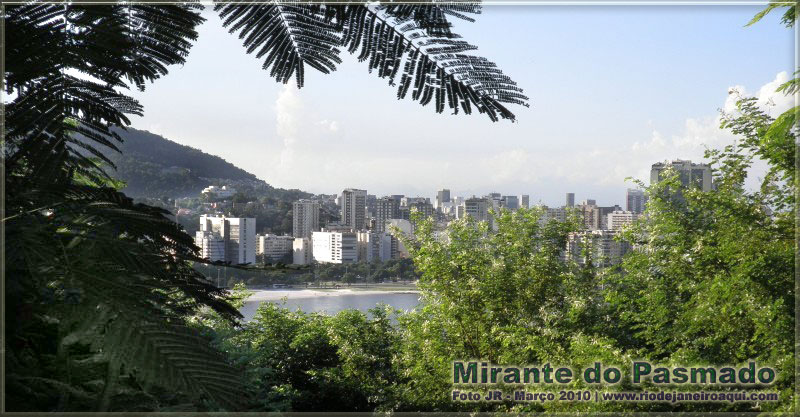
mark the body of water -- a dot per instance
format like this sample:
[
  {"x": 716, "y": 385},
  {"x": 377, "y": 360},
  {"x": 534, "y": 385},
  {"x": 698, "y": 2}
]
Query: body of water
[{"x": 329, "y": 302}]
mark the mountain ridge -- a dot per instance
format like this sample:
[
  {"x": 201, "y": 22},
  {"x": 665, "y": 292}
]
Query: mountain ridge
[{"x": 153, "y": 166}]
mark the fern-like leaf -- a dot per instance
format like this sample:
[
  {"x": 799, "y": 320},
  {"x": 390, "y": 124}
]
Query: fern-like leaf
[
  {"x": 434, "y": 69},
  {"x": 287, "y": 36},
  {"x": 174, "y": 356}
]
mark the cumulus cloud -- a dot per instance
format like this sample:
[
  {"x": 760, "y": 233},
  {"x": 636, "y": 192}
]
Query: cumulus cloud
[
  {"x": 317, "y": 153},
  {"x": 288, "y": 111},
  {"x": 691, "y": 142}
]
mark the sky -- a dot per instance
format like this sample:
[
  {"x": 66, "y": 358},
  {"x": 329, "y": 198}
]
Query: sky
[{"x": 613, "y": 89}]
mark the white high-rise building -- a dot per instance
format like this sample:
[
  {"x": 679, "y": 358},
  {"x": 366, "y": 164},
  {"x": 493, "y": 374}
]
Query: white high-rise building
[
  {"x": 302, "y": 251},
  {"x": 618, "y": 219},
  {"x": 354, "y": 208},
  {"x": 212, "y": 246},
  {"x": 334, "y": 247},
  {"x": 275, "y": 248},
  {"x": 305, "y": 218},
  {"x": 238, "y": 235}
]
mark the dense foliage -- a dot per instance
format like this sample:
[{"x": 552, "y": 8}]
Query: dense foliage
[
  {"x": 108, "y": 313},
  {"x": 101, "y": 289}
]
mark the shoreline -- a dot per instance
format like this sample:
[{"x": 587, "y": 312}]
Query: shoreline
[{"x": 289, "y": 294}]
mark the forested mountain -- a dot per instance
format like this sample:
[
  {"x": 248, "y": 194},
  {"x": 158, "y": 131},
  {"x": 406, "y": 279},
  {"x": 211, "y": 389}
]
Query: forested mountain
[{"x": 153, "y": 166}]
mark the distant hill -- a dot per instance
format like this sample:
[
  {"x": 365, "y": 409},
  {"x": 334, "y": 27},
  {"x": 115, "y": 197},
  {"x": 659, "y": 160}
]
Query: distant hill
[{"x": 154, "y": 167}]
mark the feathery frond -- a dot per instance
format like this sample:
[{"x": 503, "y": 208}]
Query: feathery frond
[
  {"x": 290, "y": 36},
  {"x": 411, "y": 41},
  {"x": 434, "y": 69}
]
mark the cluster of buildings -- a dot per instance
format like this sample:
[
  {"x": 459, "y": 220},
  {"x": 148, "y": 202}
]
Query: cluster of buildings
[{"x": 365, "y": 231}]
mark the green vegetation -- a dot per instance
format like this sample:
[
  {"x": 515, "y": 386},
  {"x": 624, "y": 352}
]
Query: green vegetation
[
  {"x": 109, "y": 314},
  {"x": 153, "y": 166},
  {"x": 395, "y": 270}
]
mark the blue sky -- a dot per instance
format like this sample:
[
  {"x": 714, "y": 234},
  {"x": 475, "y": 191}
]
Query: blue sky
[{"x": 613, "y": 89}]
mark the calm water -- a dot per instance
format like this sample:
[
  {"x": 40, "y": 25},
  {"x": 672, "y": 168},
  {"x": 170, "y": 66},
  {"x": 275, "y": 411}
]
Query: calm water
[{"x": 334, "y": 304}]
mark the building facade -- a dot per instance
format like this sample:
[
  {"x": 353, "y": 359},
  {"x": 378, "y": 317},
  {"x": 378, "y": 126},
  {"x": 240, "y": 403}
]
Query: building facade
[
  {"x": 442, "y": 196},
  {"x": 274, "y": 248},
  {"x": 374, "y": 247},
  {"x": 525, "y": 201},
  {"x": 510, "y": 202},
  {"x": 477, "y": 208},
  {"x": 305, "y": 218},
  {"x": 334, "y": 247},
  {"x": 354, "y": 208},
  {"x": 302, "y": 251},
  {"x": 386, "y": 208},
  {"x": 635, "y": 201},
  {"x": 598, "y": 245},
  {"x": 618, "y": 219},
  {"x": 690, "y": 174},
  {"x": 238, "y": 235}
]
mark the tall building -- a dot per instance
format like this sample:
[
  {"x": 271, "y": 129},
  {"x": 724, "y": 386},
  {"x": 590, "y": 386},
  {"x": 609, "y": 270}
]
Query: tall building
[
  {"x": 594, "y": 217},
  {"x": 597, "y": 245},
  {"x": 354, "y": 208},
  {"x": 274, "y": 248},
  {"x": 334, "y": 247},
  {"x": 549, "y": 214},
  {"x": 525, "y": 200},
  {"x": 370, "y": 203},
  {"x": 694, "y": 175},
  {"x": 386, "y": 208},
  {"x": 618, "y": 219},
  {"x": 237, "y": 235},
  {"x": 442, "y": 196},
  {"x": 570, "y": 199},
  {"x": 374, "y": 246},
  {"x": 423, "y": 207},
  {"x": 395, "y": 228},
  {"x": 408, "y": 201},
  {"x": 212, "y": 246},
  {"x": 305, "y": 218},
  {"x": 510, "y": 202},
  {"x": 478, "y": 209},
  {"x": 635, "y": 200}
]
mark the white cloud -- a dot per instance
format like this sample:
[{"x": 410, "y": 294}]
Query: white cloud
[
  {"x": 314, "y": 154},
  {"x": 288, "y": 112}
]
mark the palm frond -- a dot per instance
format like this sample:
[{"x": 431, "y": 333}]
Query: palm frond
[
  {"x": 174, "y": 356},
  {"x": 434, "y": 69},
  {"x": 432, "y": 15},
  {"x": 288, "y": 36}
]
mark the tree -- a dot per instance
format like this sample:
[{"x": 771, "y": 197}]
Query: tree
[
  {"x": 96, "y": 274},
  {"x": 717, "y": 268},
  {"x": 412, "y": 41},
  {"x": 504, "y": 297}
]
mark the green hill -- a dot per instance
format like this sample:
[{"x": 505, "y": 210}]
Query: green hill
[{"x": 155, "y": 167}]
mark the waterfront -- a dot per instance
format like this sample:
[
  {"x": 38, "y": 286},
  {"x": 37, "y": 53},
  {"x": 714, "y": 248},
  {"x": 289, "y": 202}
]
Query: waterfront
[{"x": 330, "y": 301}]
